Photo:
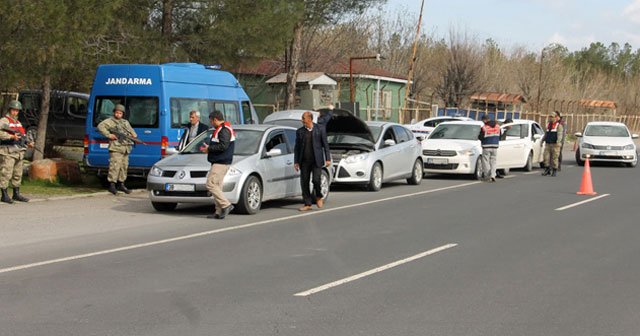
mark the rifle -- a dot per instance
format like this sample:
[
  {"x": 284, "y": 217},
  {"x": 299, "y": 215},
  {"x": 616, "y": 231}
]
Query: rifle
[
  {"x": 24, "y": 139},
  {"x": 123, "y": 136}
]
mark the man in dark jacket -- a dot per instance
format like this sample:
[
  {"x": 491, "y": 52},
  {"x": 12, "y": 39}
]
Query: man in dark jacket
[
  {"x": 220, "y": 155},
  {"x": 311, "y": 153},
  {"x": 193, "y": 130}
]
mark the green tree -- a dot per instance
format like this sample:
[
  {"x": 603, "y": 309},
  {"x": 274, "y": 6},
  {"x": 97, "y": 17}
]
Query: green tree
[{"x": 311, "y": 13}]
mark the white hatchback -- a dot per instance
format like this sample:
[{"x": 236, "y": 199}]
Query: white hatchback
[{"x": 607, "y": 141}]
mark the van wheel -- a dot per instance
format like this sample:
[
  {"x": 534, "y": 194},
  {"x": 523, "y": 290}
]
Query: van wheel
[
  {"x": 164, "y": 207},
  {"x": 416, "y": 173},
  {"x": 529, "y": 165},
  {"x": 375, "y": 180},
  {"x": 250, "y": 197}
]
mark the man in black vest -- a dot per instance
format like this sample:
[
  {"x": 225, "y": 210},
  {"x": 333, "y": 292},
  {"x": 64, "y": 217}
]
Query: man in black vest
[
  {"x": 220, "y": 155},
  {"x": 311, "y": 153}
]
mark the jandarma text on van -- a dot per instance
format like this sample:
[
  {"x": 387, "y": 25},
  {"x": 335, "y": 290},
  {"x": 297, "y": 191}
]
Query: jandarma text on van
[{"x": 128, "y": 81}]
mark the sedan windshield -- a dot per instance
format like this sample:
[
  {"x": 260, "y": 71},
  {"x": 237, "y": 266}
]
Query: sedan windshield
[
  {"x": 606, "y": 131},
  {"x": 456, "y": 131},
  {"x": 247, "y": 142}
]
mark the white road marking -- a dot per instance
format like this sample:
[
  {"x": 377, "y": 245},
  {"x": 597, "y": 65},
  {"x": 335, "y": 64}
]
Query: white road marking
[
  {"x": 582, "y": 202},
  {"x": 213, "y": 232},
  {"x": 531, "y": 173},
  {"x": 375, "y": 270}
]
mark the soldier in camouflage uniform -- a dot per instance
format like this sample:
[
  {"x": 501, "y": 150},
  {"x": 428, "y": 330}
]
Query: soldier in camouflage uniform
[
  {"x": 120, "y": 133},
  {"x": 13, "y": 145}
]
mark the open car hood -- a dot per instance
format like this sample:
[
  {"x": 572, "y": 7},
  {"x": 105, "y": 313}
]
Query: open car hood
[{"x": 344, "y": 122}]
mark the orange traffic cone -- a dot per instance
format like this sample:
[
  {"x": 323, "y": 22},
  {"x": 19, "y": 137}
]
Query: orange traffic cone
[{"x": 586, "y": 187}]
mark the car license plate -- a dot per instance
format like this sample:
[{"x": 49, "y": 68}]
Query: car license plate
[
  {"x": 179, "y": 187},
  {"x": 439, "y": 161}
]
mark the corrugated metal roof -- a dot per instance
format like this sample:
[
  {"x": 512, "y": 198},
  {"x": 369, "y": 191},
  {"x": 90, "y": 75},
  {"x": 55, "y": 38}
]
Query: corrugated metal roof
[
  {"x": 598, "y": 103},
  {"x": 499, "y": 97}
]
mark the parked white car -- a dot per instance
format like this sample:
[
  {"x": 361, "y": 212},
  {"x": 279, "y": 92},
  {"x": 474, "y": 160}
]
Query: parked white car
[
  {"x": 368, "y": 153},
  {"x": 607, "y": 141},
  {"x": 454, "y": 148},
  {"x": 426, "y": 126},
  {"x": 262, "y": 170}
]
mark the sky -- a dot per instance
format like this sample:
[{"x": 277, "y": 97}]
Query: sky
[{"x": 533, "y": 24}]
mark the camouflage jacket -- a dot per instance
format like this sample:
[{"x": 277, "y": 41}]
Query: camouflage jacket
[{"x": 118, "y": 127}]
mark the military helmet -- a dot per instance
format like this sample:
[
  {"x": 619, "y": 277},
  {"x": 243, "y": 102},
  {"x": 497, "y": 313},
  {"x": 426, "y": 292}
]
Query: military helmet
[
  {"x": 15, "y": 105},
  {"x": 119, "y": 107}
]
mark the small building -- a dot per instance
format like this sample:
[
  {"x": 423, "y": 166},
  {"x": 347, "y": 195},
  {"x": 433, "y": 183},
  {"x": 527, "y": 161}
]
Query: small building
[
  {"x": 495, "y": 101},
  {"x": 266, "y": 84}
]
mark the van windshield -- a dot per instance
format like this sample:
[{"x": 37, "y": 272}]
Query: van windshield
[{"x": 140, "y": 111}]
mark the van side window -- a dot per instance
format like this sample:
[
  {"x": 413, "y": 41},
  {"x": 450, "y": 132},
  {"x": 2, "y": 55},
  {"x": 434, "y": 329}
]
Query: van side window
[
  {"x": 77, "y": 107},
  {"x": 230, "y": 111}
]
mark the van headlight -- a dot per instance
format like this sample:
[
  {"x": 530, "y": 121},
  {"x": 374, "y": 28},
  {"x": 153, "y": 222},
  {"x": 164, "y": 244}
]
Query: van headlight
[
  {"x": 356, "y": 158},
  {"x": 629, "y": 147},
  {"x": 155, "y": 171},
  {"x": 587, "y": 145}
]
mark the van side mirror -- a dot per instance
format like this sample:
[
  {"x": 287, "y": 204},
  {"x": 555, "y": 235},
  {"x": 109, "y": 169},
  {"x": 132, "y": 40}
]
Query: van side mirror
[
  {"x": 274, "y": 152},
  {"x": 578, "y": 134}
]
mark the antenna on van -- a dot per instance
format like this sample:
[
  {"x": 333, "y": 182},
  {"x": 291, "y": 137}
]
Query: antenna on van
[{"x": 213, "y": 66}]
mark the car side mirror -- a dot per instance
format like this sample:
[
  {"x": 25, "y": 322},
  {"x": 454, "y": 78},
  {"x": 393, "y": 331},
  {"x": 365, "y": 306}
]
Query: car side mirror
[
  {"x": 578, "y": 134},
  {"x": 389, "y": 142},
  {"x": 634, "y": 136},
  {"x": 274, "y": 152},
  {"x": 537, "y": 136},
  {"x": 420, "y": 137}
]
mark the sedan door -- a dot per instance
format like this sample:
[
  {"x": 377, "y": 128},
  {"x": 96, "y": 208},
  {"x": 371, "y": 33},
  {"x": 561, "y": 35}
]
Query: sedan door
[
  {"x": 275, "y": 168},
  {"x": 538, "y": 145},
  {"x": 511, "y": 147},
  {"x": 407, "y": 146},
  {"x": 390, "y": 155}
]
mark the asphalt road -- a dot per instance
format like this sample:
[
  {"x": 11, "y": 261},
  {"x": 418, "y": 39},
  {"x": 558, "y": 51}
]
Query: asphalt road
[{"x": 450, "y": 257}]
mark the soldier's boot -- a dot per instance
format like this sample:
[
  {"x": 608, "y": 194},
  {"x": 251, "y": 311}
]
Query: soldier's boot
[
  {"x": 5, "y": 197},
  {"x": 547, "y": 171},
  {"x": 112, "y": 188},
  {"x": 122, "y": 188},
  {"x": 18, "y": 197},
  {"x": 554, "y": 172}
]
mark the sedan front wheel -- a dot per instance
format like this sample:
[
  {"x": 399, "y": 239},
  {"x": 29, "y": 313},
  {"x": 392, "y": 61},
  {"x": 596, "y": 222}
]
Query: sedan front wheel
[{"x": 251, "y": 196}]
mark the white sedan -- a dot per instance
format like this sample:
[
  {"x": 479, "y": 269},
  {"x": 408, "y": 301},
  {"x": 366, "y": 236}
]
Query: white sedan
[
  {"x": 426, "y": 126},
  {"x": 454, "y": 148},
  {"x": 607, "y": 141}
]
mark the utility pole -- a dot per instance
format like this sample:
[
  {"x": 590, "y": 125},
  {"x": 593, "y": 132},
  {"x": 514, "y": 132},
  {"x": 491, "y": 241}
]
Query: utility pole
[
  {"x": 411, "y": 63},
  {"x": 540, "y": 79}
]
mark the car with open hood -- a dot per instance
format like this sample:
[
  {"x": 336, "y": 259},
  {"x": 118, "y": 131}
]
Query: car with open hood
[
  {"x": 262, "y": 170},
  {"x": 366, "y": 153},
  {"x": 607, "y": 142},
  {"x": 453, "y": 147}
]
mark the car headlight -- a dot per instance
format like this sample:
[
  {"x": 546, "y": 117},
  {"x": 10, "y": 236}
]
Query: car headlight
[
  {"x": 155, "y": 171},
  {"x": 629, "y": 147},
  {"x": 356, "y": 158},
  {"x": 587, "y": 145},
  {"x": 233, "y": 172},
  {"x": 467, "y": 152}
]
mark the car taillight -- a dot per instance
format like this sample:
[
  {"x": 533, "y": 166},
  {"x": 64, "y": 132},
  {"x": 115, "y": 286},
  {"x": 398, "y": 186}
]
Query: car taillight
[
  {"x": 164, "y": 144},
  {"x": 86, "y": 144}
]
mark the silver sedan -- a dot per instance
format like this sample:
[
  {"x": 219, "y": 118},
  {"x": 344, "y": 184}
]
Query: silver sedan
[{"x": 262, "y": 170}]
